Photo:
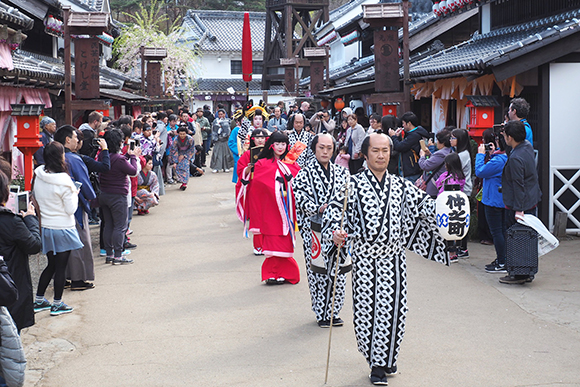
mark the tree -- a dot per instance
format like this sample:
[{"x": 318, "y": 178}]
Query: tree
[{"x": 181, "y": 64}]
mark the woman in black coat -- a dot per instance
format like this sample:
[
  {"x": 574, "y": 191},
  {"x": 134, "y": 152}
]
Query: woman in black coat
[{"x": 19, "y": 237}]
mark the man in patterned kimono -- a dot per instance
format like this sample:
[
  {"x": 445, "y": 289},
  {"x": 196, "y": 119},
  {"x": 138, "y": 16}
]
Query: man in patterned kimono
[
  {"x": 296, "y": 132},
  {"x": 182, "y": 151},
  {"x": 314, "y": 186},
  {"x": 385, "y": 214}
]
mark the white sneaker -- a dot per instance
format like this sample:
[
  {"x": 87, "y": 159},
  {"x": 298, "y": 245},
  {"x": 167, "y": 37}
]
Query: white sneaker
[
  {"x": 226, "y": 170},
  {"x": 215, "y": 171}
]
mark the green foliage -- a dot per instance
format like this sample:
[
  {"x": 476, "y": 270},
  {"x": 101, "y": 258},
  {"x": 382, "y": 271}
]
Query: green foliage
[{"x": 181, "y": 64}]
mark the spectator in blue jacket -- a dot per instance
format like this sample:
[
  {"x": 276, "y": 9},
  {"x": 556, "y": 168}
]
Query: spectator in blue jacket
[
  {"x": 80, "y": 267},
  {"x": 489, "y": 164},
  {"x": 518, "y": 111}
]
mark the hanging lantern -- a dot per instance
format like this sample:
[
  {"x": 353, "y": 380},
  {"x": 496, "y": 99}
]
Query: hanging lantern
[
  {"x": 436, "y": 8},
  {"x": 443, "y": 7},
  {"x": 324, "y": 103},
  {"x": 339, "y": 104},
  {"x": 452, "y": 5},
  {"x": 453, "y": 213}
]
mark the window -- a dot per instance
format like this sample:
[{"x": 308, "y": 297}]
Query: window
[{"x": 236, "y": 67}]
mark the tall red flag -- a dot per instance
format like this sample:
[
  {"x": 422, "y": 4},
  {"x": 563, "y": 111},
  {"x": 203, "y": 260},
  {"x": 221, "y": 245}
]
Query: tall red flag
[{"x": 247, "y": 49}]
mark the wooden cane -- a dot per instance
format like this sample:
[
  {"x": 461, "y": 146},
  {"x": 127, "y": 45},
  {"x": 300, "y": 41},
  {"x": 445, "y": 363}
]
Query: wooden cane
[{"x": 334, "y": 284}]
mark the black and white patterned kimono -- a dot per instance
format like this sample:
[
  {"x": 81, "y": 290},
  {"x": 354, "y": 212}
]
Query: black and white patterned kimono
[
  {"x": 313, "y": 187},
  {"x": 381, "y": 220},
  {"x": 305, "y": 137}
]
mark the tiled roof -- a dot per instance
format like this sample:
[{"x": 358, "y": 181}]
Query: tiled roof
[
  {"x": 12, "y": 16},
  {"x": 493, "y": 48},
  {"x": 37, "y": 66},
  {"x": 346, "y": 70},
  {"x": 122, "y": 95},
  {"x": 215, "y": 85},
  {"x": 87, "y": 5},
  {"x": 222, "y": 30}
]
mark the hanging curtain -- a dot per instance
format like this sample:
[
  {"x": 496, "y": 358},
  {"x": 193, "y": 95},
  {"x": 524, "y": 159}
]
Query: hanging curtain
[
  {"x": 439, "y": 117},
  {"x": 6, "y": 57},
  {"x": 136, "y": 111}
]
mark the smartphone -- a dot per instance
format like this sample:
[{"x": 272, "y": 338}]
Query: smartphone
[
  {"x": 78, "y": 184},
  {"x": 132, "y": 144},
  {"x": 22, "y": 202}
]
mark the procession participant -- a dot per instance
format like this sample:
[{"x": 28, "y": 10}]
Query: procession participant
[
  {"x": 297, "y": 133},
  {"x": 272, "y": 210},
  {"x": 182, "y": 151},
  {"x": 221, "y": 156},
  {"x": 385, "y": 214},
  {"x": 246, "y": 170},
  {"x": 205, "y": 127},
  {"x": 314, "y": 186},
  {"x": 257, "y": 118},
  {"x": 148, "y": 188},
  {"x": 234, "y": 143}
]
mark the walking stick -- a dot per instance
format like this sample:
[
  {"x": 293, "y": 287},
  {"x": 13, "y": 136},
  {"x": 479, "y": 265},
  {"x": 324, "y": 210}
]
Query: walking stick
[{"x": 334, "y": 284}]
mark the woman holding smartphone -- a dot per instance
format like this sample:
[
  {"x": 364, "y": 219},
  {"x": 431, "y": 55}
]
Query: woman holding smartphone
[{"x": 57, "y": 197}]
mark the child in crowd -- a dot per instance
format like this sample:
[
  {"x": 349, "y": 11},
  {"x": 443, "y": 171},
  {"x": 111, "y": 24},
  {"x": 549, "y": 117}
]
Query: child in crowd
[
  {"x": 342, "y": 157},
  {"x": 452, "y": 175}
]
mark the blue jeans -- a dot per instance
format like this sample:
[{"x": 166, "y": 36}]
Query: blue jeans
[{"x": 496, "y": 221}]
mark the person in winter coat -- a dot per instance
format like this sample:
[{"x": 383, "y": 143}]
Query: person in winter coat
[
  {"x": 12, "y": 358},
  {"x": 489, "y": 166},
  {"x": 58, "y": 199},
  {"x": 436, "y": 163},
  {"x": 19, "y": 237},
  {"x": 409, "y": 147}
]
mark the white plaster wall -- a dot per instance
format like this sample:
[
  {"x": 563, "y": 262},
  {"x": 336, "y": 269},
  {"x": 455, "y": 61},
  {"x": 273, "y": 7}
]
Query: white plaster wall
[
  {"x": 216, "y": 65},
  {"x": 564, "y": 97},
  {"x": 340, "y": 54}
]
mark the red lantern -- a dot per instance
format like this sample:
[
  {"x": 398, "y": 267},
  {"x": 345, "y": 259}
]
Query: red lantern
[
  {"x": 339, "y": 104},
  {"x": 27, "y": 136},
  {"x": 324, "y": 103}
]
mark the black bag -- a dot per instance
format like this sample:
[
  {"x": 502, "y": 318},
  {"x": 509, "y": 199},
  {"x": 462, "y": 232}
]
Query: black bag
[
  {"x": 521, "y": 250},
  {"x": 8, "y": 290}
]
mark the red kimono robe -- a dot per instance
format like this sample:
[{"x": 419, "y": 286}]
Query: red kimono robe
[
  {"x": 243, "y": 187},
  {"x": 274, "y": 217}
]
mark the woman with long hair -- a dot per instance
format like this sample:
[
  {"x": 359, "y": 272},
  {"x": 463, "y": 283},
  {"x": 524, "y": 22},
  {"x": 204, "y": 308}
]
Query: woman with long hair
[
  {"x": 245, "y": 167},
  {"x": 273, "y": 212},
  {"x": 57, "y": 197},
  {"x": 461, "y": 142}
]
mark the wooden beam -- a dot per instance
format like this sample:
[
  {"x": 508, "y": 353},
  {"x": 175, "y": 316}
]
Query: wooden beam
[
  {"x": 388, "y": 98},
  {"x": 92, "y": 104},
  {"x": 67, "y": 68}
]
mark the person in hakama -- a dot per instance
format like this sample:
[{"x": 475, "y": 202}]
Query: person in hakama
[
  {"x": 221, "y": 156},
  {"x": 296, "y": 132},
  {"x": 314, "y": 186},
  {"x": 182, "y": 151},
  {"x": 147, "y": 188},
  {"x": 243, "y": 187},
  {"x": 384, "y": 215},
  {"x": 273, "y": 213}
]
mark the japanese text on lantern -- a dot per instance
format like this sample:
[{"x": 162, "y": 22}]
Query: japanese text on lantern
[
  {"x": 458, "y": 218},
  {"x": 87, "y": 68}
]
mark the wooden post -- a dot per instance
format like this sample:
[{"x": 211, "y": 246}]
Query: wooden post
[
  {"x": 67, "y": 68},
  {"x": 142, "y": 51},
  {"x": 406, "y": 86}
]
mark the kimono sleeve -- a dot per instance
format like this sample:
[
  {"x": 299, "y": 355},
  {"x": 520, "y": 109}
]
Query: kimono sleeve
[
  {"x": 419, "y": 225},
  {"x": 332, "y": 216},
  {"x": 305, "y": 203}
]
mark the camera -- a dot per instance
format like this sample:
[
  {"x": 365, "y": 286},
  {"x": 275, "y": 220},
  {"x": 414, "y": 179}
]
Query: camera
[
  {"x": 498, "y": 128},
  {"x": 488, "y": 147},
  {"x": 154, "y": 132},
  {"x": 95, "y": 142}
]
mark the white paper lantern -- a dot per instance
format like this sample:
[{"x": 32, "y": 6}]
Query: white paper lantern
[
  {"x": 443, "y": 7},
  {"x": 436, "y": 8},
  {"x": 453, "y": 215}
]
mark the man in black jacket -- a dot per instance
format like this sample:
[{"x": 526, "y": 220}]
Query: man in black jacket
[
  {"x": 409, "y": 147},
  {"x": 520, "y": 189}
]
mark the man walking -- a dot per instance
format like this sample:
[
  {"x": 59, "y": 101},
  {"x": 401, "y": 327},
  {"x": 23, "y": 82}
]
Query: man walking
[
  {"x": 520, "y": 189},
  {"x": 314, "y": 186},
  {"x": 205, "y": 133},
  {"x": 385, "y": 214},
  {"x": 277, "y": 122},
  {"x": 297, "y": 133}
]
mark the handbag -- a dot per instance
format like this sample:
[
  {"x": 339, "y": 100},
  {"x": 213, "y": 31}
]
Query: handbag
[
  {"x": 8, "y": 289},
  {"x": 422, "y": 183}
]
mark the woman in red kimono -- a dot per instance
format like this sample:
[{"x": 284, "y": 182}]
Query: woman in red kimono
[
  {"x": 273, "y": 211},
  {"x": 245, "y": 166}
]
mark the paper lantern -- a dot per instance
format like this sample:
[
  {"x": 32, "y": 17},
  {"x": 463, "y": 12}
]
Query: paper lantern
[
  {"x": 453, "y": 213},
  {"x": 324, "y": 103},
  {"x": 443, "y": 7},
  {"x": 339, "y": 104},
  {"x": 436, "y": 9}
]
